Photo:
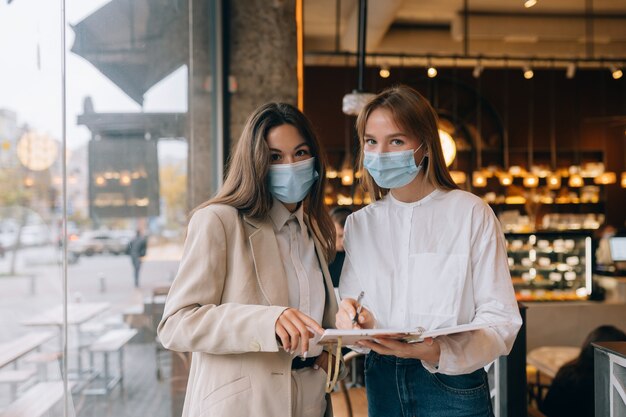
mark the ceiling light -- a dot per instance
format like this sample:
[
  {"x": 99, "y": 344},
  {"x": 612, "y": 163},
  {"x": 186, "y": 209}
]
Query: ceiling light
[
  {"x": 529, "y": 3},
  {"x": 576, "y": 181},
  {"x": 606, "y": 178},
  {"x": 448, "y": 147},
  {"x": 506, "y": 179},
  {"x": 432, "y": 72},
  {"x": 554, "y": 181},
  {"x": 478, "y": 179},
  {"x": 458, "y": 177},
  {"x": 478, "y": 69},
  {"x": 384, "y": 72},
  {"x": 528, "y": 72},
  {"x": 616, "y": 73},
  {"x": 531, "y": 181},
  {"x": 570, "y": 71}
]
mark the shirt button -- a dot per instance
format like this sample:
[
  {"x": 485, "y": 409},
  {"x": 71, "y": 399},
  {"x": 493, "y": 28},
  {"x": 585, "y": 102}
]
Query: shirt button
[{"x": 255, "y": 346}]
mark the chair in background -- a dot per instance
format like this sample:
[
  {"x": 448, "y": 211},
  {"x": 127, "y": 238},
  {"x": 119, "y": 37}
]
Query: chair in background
[
  {"x": 354, "y": 397},
  {"x": 157, "y": 304}
]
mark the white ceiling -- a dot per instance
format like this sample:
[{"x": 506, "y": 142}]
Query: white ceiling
[{"x": 551, "y": 29}]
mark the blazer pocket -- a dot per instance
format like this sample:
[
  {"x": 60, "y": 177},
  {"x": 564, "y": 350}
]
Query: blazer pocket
[{"x": 225, "y": 391}]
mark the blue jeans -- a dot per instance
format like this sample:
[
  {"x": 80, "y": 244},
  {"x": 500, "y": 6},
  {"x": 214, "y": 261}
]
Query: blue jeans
[{"x": 399, "y": 387}]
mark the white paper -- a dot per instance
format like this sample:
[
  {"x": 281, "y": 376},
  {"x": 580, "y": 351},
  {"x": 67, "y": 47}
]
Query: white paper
[{"x": 350, "y": 337}]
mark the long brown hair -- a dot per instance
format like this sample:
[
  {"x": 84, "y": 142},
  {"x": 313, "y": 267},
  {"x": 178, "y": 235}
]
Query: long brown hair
[
  {"x": 246, "y": 184},
  {"x": 412, "y": 113}
]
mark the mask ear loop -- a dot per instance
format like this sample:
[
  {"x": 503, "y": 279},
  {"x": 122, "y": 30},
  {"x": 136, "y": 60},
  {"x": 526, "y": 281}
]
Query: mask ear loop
[{"x": 330, "y": 384}]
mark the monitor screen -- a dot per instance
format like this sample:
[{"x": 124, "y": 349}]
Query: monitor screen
[{"x": 618, "y": 248}]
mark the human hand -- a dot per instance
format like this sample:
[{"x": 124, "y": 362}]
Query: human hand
[
  {"x": 428, "y": 350},
  {"x": 292, "y": 328},
  {"x": 346, "y": 313}
]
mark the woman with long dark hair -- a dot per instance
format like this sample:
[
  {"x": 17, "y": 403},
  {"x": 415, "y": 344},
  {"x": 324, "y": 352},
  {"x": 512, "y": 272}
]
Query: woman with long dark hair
[{"x": 253, "y": 284}]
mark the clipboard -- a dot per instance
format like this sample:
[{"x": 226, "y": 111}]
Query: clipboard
[{"x": 412, "y": 335}]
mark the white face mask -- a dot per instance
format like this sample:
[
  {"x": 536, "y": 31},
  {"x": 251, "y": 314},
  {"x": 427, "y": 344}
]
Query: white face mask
[
  {"x": 393, "y": 169},
  {"x": 290, "y": 183}
]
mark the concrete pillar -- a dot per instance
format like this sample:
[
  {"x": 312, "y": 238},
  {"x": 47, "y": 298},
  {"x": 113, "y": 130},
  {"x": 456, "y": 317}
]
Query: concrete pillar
[
  {"x": 200, "y": 176},
  {"x": 263, "y": 54},
  {"x": 260, "y": 44}
]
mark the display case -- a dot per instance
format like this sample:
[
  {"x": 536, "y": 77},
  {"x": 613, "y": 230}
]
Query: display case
[{"x": 550, "y": 266}]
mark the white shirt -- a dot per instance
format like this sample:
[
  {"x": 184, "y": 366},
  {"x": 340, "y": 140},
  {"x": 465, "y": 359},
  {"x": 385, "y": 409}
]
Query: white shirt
[
  {"x": 304, "y": 275},
  {"x": 434, "y": 263}
]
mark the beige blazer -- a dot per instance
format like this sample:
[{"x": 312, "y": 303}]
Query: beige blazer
[{"x": 223, "y": 305}]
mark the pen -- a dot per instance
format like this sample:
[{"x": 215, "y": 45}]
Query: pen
[{"x": 359, "y": 307}]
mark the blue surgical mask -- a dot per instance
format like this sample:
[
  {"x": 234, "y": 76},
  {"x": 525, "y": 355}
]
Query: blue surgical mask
[
  {"x": 290, "y": 183},
  {"x": 392, "y": 169}
]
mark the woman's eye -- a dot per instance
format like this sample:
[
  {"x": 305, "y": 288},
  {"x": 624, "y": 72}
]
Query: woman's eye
[
  {"x": 370, "y": 141},
  {"x": 302, "y": 152},
  {"x": 275, "y": 157},
  {"x": 397, "y": 142}
]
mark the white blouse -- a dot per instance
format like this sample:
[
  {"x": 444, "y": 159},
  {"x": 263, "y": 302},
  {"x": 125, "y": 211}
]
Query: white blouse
[{"x": 434, "y": 263}]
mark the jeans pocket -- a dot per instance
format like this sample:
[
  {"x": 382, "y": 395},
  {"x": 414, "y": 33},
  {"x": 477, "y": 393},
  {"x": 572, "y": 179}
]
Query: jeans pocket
[
  {"x": 474, "y": 383},
  {"x": 369, "y": 361}
]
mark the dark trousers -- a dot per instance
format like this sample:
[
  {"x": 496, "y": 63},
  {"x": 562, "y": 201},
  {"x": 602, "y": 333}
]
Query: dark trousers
[
  {"x": 399, "y": 387},
  {"x": 136, "y": 267}
]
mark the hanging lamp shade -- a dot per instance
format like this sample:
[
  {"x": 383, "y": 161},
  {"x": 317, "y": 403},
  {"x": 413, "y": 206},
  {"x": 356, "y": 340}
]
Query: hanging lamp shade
[
  {"x": 606, "y": 178},
  {"x": 505, "y": 178},
  {"x": 448, "y": 146},
  {"x": 554, "y": 181},
  {"x": 576, "y": 181},
  {"x": 531, "y": 181},
  {"x": 458, "y": 177},
  {"x": 479, "y": 180}
]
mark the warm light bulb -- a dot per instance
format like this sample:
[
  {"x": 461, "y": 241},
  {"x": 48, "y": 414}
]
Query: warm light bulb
[
  {"x": 384, "y": 72},
  {"x": 575, "y": 181},
  {"x": 347, "y": 178},
  {"x": 125, "y": 178},
  {"x": 623, "y": 181},
  {"x": 506, "y": 179},
  {"x": 29, "y": 182},
  {"x": 478, "y": 179},
  {"x": 100, "y": 181},
  {"x": 432, "y": 72},
  {"x": 458, "y": 177},
  {"x": 528, "y": 73},
  {"x": 448, "y": 146},
  {"x": 331, "y": 173},
  {"x": 531, "y": 181},
  {"x": 530, "y": 3},
  {"x": 553, "y": 181},
  {"x": 606, "y": 178},
  {"x": 616, "y": 73}
]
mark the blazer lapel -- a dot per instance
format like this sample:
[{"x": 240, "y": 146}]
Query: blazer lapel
[
  {"x": 330, "y": 307},
  {"x": 267, "y": 262}
]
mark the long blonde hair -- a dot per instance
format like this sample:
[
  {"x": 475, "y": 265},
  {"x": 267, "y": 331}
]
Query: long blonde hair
[
  {"x": 246, "y": 184},
  {"x": 412, "y": 113}
]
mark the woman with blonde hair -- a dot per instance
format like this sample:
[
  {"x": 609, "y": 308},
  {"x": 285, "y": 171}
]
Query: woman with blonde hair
[
  {"x": 253, "y": 286},
  {"x": 425, "y": 254}
]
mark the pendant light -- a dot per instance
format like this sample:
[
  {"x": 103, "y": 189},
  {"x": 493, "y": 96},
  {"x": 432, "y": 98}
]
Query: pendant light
[
  {"x": 355, "y": 101},
  {"x": 606, "y": 177},
  {"x": 479, "y": 179},
  {"x": 623, "y": 180},
  {"x": 459, "y": 177},
  {"x": 575, "y": 179},
  {"x": 506, "y": 178},
  {"x": 553, "y": 180},
  {"x": 530, "y": 179}
]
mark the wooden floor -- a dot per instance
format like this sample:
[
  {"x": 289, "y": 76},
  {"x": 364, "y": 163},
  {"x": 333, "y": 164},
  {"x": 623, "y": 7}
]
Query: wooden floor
[
  {"x": 143, "y": 394},
  {"x": 357, "y": 399}
]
